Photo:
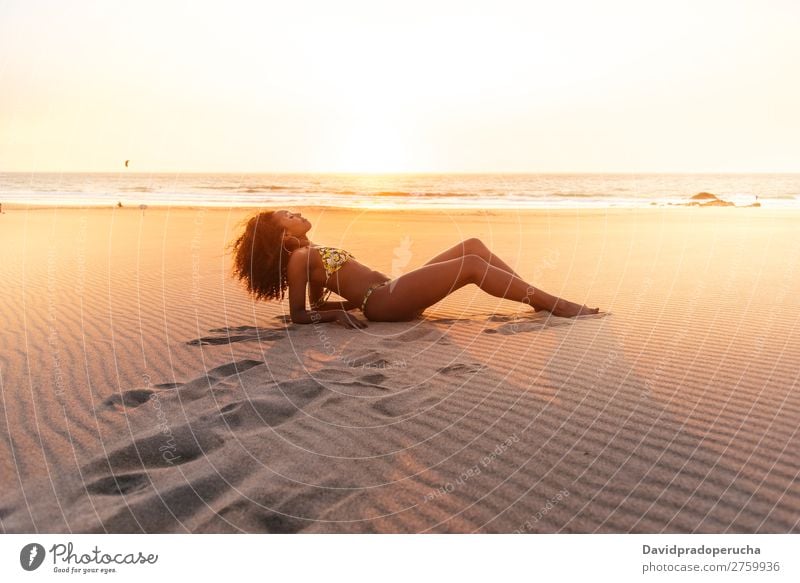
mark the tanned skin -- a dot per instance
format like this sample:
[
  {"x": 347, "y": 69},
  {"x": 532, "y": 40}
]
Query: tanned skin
[{"x": 407, "y": 296}]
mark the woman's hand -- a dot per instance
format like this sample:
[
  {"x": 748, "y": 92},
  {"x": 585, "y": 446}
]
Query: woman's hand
[{"x": 349, "y": 320}]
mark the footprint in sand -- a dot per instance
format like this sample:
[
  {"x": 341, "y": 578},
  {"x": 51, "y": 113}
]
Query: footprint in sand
[
  {"x": 332, "y": 374},
  {"x": 545, "y": 321},
  {"x": 275, "y": 523},
  {"x": 461, "y": 367},
  {"x": 229, "y": 329},
  {"x": 128, "y": 399},
  {"x": 342, "y": 376},
  {"x": 156, "y": 449},
  {"x": 407, "y": 403},
  {"x": 500, "y": 318},
  {"x": 445, "y": 321},
  {"x": 340, "y": 381},
  {"x": 134, "y": 398},
  {"x": 415, "y": 334},
  {"x": 239, "y": 334},
  {"x": 367, "y": 359},
  {"x": 365, "y": 386},
  {"x": 373, "y": 379},
  {"x": 201, "y": 386},
  {"x": 163, "y": 509},
  {"x": 284, "y": 517},
  {"x": 118, "y": 485},
  {"x": 277, "y": 405},
  {"x": 165, "y": 386}
]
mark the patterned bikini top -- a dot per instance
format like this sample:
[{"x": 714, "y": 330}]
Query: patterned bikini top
[{"x": 333, "y": 258}]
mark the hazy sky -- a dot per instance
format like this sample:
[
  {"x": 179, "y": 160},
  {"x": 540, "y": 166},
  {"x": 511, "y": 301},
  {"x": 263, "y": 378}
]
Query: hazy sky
[{"x": 401, "y": 86}]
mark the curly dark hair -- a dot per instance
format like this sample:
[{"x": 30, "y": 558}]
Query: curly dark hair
[{"x": 259, "y": 258}]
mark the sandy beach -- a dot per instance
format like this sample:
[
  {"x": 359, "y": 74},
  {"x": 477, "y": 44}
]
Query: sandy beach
[{"x": 144, "y": 391}]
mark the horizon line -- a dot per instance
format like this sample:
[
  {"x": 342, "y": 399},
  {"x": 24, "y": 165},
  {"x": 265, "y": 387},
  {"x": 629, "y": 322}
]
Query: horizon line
[{"x": 404, "y": 173}]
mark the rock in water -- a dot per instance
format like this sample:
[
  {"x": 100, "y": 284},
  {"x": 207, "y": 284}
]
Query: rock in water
[
  {"x": 717, "y": 202},
  {"x": 740, "y": 200},
  {"x": 705, "y": 196}
]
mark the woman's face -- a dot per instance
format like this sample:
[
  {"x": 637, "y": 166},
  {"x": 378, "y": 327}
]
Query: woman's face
[{"x": 294, "y": 223}]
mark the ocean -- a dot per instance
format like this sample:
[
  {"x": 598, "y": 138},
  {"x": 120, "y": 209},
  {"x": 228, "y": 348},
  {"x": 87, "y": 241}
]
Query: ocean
[{"x": 446, "y": 191}]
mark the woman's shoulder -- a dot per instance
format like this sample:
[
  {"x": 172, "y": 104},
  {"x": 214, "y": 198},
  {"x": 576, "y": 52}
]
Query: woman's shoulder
[
  {"x": 301, "y": 253},
  {"x": 303, "y": 256}
]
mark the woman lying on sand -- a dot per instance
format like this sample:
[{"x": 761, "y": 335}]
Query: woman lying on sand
[{"x": 273, "y": 253}]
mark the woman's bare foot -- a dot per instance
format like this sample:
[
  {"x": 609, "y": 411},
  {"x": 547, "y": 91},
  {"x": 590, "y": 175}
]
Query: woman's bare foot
[{"x": 565, "y": 309}]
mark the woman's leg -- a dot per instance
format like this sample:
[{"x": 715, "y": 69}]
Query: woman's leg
[
  {"x": 423, "y": 287},
  {"x": 473, "y": 246}
]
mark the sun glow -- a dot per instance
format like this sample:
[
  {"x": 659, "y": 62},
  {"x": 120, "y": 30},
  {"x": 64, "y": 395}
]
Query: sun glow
[
  {"x": 359, "y": 86},
  {"x": 374, "y": 145},
  {"x": 371, "y": 151}
]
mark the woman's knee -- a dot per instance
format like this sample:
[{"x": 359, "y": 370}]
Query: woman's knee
[
  {"x": 474, "y": 268},
  {"x": 474, "y": 246}
]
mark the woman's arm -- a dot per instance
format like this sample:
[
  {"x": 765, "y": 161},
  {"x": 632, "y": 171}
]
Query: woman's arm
[
  {"x": 340, "y": 316},
  {"x": 318, "y": 300},
  {"x": 297, "y": 274},
  {"x": 345, "y": 305}
]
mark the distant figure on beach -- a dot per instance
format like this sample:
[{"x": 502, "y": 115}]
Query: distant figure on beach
[
  {"x": 126, "y": 163},
  {"x": 273, "y": 253}
]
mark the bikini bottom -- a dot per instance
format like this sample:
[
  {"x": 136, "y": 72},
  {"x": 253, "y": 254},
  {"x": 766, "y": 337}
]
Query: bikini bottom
[{"x": 369, "y": 291}]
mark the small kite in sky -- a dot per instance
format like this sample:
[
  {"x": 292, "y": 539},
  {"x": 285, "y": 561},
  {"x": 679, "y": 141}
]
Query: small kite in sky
[{"x": 126, "y": 163}]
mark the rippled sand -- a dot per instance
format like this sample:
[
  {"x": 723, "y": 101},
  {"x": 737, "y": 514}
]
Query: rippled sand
[{"x": 143, "y": 391}]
